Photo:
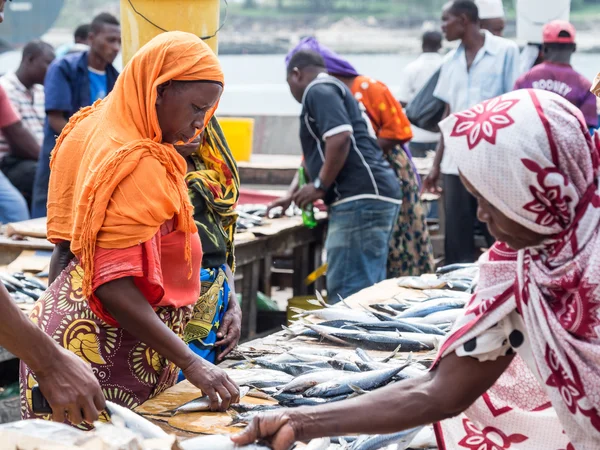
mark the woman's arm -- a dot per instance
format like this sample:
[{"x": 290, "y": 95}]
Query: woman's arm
[
  {"x": 66, "y": 381},
  {"x": 441, "y": 394},
  {"x": 131, "y": 310},
  {"x": 61, "y": 257},
  {"x": 230, "y": 330}
]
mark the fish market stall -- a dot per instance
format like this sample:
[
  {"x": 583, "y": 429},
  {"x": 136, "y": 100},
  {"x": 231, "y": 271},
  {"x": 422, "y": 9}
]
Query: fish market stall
[{"x": 388, "y": 332}]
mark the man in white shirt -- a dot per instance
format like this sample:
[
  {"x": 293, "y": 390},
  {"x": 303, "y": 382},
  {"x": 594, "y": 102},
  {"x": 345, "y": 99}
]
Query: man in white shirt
[
  {"x": 417, "y": 73},
  {"x": 483, "y": 67}
]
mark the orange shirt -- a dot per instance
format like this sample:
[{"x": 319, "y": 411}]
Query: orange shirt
[
  {"x": 158, "y": 268},
  {"x": 386, "y": 114}
]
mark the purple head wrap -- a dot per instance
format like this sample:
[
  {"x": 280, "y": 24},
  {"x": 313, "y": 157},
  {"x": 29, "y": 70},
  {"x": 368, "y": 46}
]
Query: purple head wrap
[{"x": 335, "y": 64}]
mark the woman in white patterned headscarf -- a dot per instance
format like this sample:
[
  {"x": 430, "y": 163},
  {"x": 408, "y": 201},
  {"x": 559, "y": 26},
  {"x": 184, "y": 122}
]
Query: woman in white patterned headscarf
[{"x": 520, "y": 370}]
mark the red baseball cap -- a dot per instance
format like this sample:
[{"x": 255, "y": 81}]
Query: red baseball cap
[{"x": 559, "y": 32}]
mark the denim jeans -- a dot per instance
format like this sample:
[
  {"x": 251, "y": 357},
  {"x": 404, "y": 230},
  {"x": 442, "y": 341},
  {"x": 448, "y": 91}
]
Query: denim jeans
[
  {"x": 357, "y": 245},
  {"x": 40, "y": 185},
  {"x": 13, "y": 207}
]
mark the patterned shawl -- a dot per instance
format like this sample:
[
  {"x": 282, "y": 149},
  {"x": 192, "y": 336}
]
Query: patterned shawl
[
  {"x": 530, "y": 155},
  {"x": 215, "y": 188}
]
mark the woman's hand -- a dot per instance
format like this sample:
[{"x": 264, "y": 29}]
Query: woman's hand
[
  {"x": 228, "y": 334},
  {"x": 278, "y": 429},
  {"x": 212, "y": 381}
]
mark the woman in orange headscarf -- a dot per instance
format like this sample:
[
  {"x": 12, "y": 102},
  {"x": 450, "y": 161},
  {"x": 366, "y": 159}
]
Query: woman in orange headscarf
[{"x": 118, "y": 201}]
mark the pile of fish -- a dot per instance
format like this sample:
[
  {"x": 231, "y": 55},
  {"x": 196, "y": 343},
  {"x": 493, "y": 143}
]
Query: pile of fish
[
  {"x": 253, "y": 215},
  {"x": 407, "y": 330},
  {"x": 22, "y": 288}
]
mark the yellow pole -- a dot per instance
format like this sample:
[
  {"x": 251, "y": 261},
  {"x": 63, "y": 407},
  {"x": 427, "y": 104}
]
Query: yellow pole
[{"x": 141, "y": 20}]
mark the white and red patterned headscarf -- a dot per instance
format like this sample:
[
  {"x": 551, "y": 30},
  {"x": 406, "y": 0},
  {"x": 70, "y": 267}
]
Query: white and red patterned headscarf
[{"x": 530, "y": 155}]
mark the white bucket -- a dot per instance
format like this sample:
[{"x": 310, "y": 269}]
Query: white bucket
[{"x": 532, "y": 15}]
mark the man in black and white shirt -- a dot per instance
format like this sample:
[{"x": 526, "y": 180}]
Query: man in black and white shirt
[{"x": 348, "y": 171}]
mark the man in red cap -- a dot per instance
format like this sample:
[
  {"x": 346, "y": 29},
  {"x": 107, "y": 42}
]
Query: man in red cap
[{"x": 556, "y": 74}]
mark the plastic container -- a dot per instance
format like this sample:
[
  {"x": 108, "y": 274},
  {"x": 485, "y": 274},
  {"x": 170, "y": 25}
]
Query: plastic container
[
  {"x": 200, "y": 17},
  {"x": 532, "y": 15},
  {"x": 239, "y": 132}
]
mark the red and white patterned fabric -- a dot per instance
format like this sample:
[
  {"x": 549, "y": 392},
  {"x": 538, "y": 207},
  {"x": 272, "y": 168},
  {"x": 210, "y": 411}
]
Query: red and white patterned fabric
[{"x": 530, "y": 155}]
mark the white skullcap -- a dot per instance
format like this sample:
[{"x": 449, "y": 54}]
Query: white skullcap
[{"x": 490, "y": 9}]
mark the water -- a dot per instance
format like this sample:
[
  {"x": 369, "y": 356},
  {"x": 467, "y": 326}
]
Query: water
[{"x": 255, "y": 84}]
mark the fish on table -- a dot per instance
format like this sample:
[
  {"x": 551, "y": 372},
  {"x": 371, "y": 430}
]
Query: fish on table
[
  {"x": 199, "y": 404},
  {"x": 401, "y": 440},
  {"x": 216, "y": 442},
  {"x": 347, "y": 384},
  {"x": 429, "y": 308},
  {"x": 311, "y": 379}
]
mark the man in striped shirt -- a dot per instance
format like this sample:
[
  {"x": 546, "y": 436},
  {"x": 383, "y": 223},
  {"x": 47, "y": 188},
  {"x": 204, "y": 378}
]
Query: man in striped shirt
[{"x": 26, "y": 94}]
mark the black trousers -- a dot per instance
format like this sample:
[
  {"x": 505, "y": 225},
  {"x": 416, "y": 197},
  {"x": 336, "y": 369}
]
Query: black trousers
[
  {"x": 461, "y": 222},
  {"x": 21, "y": 173}
]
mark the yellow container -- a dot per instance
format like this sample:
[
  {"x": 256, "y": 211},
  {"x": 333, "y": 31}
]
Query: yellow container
[
  {"x": 141, "y": 20},
  {"x": 239, "y": 132},
  {"x": 300, "y": 302}
]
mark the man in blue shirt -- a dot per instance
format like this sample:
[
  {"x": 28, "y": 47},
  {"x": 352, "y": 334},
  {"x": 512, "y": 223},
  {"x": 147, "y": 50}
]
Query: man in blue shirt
[
  {"x": 484, "y": 66},
  {"x": 73, "y": 82}
]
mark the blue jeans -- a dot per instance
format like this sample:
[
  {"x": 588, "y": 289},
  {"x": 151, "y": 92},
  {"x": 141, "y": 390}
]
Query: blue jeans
[
  {"x": 40, "y": 185},
  {"x": 357, "y": 245},
  {"x": 13, "y": 207}
]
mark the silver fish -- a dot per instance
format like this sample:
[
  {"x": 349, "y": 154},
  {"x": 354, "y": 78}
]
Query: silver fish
[
  {"x": 383, "y": 341},
  {"x": 293, "y": 369},
  {"x": 344, "y": 385},
  {"x": 244, "y": 408},
  {"x": 427, "y": 281},
  {"x": 441, "y": 317},
  {"x": 216, "y": 442},
  {"x": 258, "y": 378},
  {"x": 428, "y": 308},
  {"x": 445, "y": 293},
  {"x": 308, "y": 380},
  {"x": 202, "y": 403},
  {"x": 337, "y": 314},
  {"x": 456, "y": 267},
  {"x": 134, "y": 422},
  {"x": 402, "y": 440}
]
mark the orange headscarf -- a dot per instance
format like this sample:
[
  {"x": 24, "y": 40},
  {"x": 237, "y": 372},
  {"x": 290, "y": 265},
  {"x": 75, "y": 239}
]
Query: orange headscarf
[{"x": 113, "y": 182}]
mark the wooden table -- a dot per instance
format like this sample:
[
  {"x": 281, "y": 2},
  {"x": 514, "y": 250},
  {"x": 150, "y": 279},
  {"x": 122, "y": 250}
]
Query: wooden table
[{"x": 254, "y": 260}]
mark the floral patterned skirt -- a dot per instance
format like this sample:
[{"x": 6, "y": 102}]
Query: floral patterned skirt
[
  {"x": 128, "y": 370},
  {"x": 411, "y": 252}
]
